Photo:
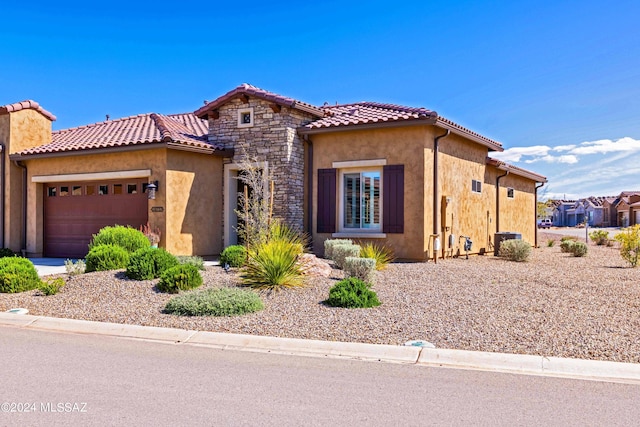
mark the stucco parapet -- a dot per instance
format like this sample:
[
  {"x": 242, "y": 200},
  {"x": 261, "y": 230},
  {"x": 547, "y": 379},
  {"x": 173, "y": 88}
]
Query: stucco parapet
[{"x": 26, "y": 105}]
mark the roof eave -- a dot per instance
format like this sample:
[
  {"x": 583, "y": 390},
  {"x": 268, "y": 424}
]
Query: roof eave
[
  {"x": 85, "y": 152},
  {"x": 516, "y": 171},
  {"x": 491, "y": 145},
  {"x": 361, "y": 126}
]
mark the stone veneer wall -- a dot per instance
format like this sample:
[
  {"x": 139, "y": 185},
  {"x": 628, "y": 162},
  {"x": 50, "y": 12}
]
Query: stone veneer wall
[{"x": 272, "y": 138}]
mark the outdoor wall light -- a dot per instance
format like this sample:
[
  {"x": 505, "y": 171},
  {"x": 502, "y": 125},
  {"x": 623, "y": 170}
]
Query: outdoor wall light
[{"x": 151, "y": 190}]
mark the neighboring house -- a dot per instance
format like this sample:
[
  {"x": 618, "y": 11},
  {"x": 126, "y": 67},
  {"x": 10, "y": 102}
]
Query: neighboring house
[
  {"x": 392, "y": 174},
  {"x": 593, "y": 210},
  {"x": 560, "y": 215},
  {"x": 627, "y": 207},
  {"x": 609, "y": 213}
]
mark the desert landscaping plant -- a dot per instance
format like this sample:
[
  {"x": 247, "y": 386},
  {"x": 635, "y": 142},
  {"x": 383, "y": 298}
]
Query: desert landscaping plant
[
  {"x": 6, "y": 252},
  {"x": 579, "y": 249},
  {"x": 599, "y": 237},
  {"x": 127, "y": 238},
  {"x": 106, "y": 257},
  {"x": 179, "y": 278},
  {"x": 273, "y": 265},
  {"x": 551, "y": 243},
  {"x": 51, "y": 286},
  {"x": 215, "y": 302},
  {"x": 234, "y": 256},
  {"x": 329, "y": 244},
  {"x": 17, "y": 275},
  {"x": 361, "y": 268},
  {"x": 149, "y": 263},
  {"x": 515, "y": 250},
  {"x": 629, "y": 239},
  {"x": 381, "y": 253},
  {"x": 566, "y": 244},
  {"x": 352, "y": 293},
  {"x": 196, "y": 261},
  {"x": 341, "y": 252},
  {"x": 153, "y": 234},
  {"x": 74, "y": 268}
]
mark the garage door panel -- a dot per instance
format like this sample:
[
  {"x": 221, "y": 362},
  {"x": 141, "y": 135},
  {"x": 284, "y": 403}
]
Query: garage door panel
[{"x": 71, "y": 220}]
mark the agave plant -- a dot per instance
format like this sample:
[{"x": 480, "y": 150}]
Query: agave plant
[
  {"x": 382, "y": 254},
  {"x": 273, "y": 265}
]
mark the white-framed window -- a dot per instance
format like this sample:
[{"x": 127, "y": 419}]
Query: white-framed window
[
  {"x": 361, "y": 207},
  {"x": 476, "y": 186},
  {"x": 510, "y": 193},
  {"x": 245, "y": 117}
]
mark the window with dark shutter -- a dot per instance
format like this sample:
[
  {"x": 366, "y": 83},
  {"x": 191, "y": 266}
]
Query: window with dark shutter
[
  {"x": 393, "y": 199},
  {"x": 326, "y": 208}
]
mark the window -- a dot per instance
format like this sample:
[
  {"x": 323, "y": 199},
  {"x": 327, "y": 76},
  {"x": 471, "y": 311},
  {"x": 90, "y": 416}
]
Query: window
[
  {"x": 51, "y": 191},
  {"x": 361, "y": 200},
  {"x": 76, "y": 190},
  {"x": 476, "y": 186},
  {"x": 510, "y": 193},
  {"x": 64, "y": 190},
  {"x": 117, "y": 188},
  {"x": 90, "y": 190},
  {"x": 132, "y": 188},
  {"x": 103, "y": 190},
  {"x": 245, "y": 117}
]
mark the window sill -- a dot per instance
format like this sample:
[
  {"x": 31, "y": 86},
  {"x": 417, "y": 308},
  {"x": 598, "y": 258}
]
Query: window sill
[{"x": 360, "y": 235}]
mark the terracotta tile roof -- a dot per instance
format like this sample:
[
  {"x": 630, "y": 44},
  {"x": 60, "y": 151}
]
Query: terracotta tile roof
[
  {"x": 368, "y": 112},
  {"x": 25, "y": 105},
  {"x": 516, "y": 170},
  {"x": 182, "y": 129},
  {"x": 249, "y": 90}
]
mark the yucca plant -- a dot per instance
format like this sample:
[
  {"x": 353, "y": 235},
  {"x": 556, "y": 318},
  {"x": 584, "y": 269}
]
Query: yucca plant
[
  {"x": 381, "y": 253},
  {"x": 281, "y": 232},
  {"x": 273, "y": 265}
]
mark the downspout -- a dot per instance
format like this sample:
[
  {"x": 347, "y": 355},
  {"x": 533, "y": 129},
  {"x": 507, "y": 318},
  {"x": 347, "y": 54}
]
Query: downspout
[
  {"x": 498, "y": 201},
  {"x": 436, "y": 192},
  {"x": 536, "y": 214},
  {"x": 2, "y": 193},
  {"x": 307, "y": 140},
  {"x": 23, "y": 237}
]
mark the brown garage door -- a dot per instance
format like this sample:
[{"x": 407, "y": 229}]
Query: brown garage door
[{"x": 74, "y": 211}]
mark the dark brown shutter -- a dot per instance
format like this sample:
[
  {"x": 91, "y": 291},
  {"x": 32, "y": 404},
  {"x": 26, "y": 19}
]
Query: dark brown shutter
[
  {"x": 393, "y": 199},
  {"x": 326, "y": 214}
]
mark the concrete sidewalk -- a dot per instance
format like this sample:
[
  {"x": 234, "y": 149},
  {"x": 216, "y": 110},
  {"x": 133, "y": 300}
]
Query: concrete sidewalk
[
  {"x": 460, "y": 359},
  {"x": 47, "y": 266}
]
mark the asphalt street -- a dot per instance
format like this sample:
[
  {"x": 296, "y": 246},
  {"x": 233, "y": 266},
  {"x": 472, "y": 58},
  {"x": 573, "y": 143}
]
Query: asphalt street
[{"x": 51, "y": 378}]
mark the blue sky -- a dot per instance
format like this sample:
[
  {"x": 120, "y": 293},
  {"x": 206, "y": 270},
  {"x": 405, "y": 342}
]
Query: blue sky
[{"x": 558, "y": 83}]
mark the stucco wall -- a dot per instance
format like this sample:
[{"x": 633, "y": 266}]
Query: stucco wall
[
  {"x": 154, "y": 159},
  {"x": 193, "y": 186}
]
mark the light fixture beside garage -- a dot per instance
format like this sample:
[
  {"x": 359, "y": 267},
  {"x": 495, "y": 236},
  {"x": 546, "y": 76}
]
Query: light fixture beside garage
[{"x": 151, "y": 190}]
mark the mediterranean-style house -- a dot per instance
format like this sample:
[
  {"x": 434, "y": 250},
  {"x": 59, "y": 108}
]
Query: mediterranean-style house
[{"x": 393, "y": 174}]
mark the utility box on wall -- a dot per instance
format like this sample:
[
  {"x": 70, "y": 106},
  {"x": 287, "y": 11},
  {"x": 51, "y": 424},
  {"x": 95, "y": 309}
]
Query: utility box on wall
[{"x": 502, "y": 236}]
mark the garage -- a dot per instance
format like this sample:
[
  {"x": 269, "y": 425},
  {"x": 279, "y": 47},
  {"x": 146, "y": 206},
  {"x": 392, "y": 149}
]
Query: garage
[{"x": 74, "y": 211}]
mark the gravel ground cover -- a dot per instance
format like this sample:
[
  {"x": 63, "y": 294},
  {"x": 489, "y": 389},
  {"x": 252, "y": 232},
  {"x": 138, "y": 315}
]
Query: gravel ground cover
[{"x": 553, "y": 305}]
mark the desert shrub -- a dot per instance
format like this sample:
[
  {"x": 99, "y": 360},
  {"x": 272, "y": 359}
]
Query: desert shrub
[
  {"x": 381, "y": 253},
  {"x": 515, "y": 250},
  {"x": 179, "y": 278},
  {"x": 566, "y": 246},
  {"x": 341, "y": 252},
  {"x": 579, "y": 249},
  {"x": 361, "y": 268},
  {"x": 329, "y": 244},
  {"x": 273, "y": 265},
  {"x": 599, "y": 237},
  {"x": 629, "y": 239},
  {"x": 75, "y": 268},
  {"x": 106, "y": 257},
  {"x": 17, "y": 275},
  {"x": 51, "y": 286},
  {"x": 196, "y": 261},
  {"x": 234, "y": 255},
  {"x": 282, "y": 232},
  {"x": 568, "y": 238},
  {"x": 127, "y": 238},
  {"x": 6, "y": 252},
  {"x": 551, "y": 243},
  {"x": 149, "y": 263},
  {"x": 352, "y": 293},
  {"x": 215, "y": 302}
]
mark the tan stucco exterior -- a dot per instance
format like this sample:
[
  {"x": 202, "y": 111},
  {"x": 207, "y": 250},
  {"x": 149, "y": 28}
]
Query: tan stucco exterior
[{"x": 461, "y": 212}]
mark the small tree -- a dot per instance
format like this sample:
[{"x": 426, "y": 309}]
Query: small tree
[{"x": 629, "y": 239}]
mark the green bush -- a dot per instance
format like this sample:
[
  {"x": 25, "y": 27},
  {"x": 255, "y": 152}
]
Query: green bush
[
  {"x": 149, "y": 263},
  {"x": 196, "y": 261},
  {"x": 106, "y": 257},
  {"x": 381, "y": 253},
  {"x": 273, "y": 265},
  {"x": 352, "y": 293},
  {"x": 17, "y": 275},
  {"x": 215, "y": 302},
  {"x": 179, "y": 278},
  {"x": 579, "y": 249},
  {"x": 568, "y": 238},
  {"x": 51, "y": 286},
  {"x": 234, "y": 255},
  {"x": 6, "y": 252},
  {"x": 361, "y": 268},
  {"x": 629, "y": 239},
  {"x": 566, "y": 246},
  {"x": 281, "y": 232},
  {"x": 599, "y": 237},
  {"x": 329, "y": 244},
  {"x": 515, "y": 250},
  {"x": 341, "y": 252},
  {"x": 126, "y": 237},
  {"x": 76, "y": 268}
]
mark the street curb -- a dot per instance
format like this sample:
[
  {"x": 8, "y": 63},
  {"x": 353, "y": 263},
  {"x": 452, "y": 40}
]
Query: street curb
[{"x": 433, "y": 357}]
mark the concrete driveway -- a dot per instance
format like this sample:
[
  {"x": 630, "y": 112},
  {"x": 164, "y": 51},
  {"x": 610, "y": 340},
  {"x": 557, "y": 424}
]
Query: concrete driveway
[
  {"x": 579, "y": 232},
  {"x": 46, "y": 266}
]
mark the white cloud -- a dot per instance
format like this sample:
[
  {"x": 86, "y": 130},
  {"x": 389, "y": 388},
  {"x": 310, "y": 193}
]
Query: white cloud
[
  {"x": 568, "y": 159},
  {"x": 604, "y": 146},
  {"x": 515, "y": 154},
  {"x": 564, "y": 147}
]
